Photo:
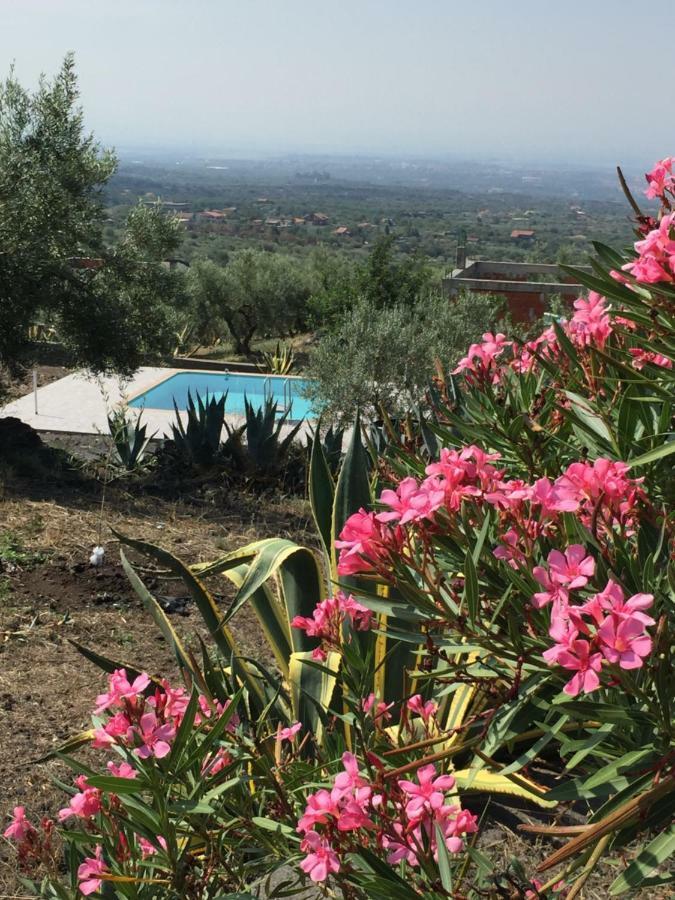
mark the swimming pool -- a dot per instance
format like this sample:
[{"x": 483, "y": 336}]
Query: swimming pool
[{"x": 288, "y": 392}]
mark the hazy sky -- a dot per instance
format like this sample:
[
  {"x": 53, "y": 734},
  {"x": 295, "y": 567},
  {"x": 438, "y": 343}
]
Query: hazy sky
[{"x": 585, "y": 80}]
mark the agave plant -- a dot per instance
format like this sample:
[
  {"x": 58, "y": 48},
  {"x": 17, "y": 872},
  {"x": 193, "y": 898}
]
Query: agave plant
[
  {"x": 198, "y": 442},
  {"x": 129, "y": 437},
  {"x": 280, "y": 362},
  {"x": 257, "y": 447},
  {"x": 331, "y": 444},
  {"x": 279, "y": 580}
]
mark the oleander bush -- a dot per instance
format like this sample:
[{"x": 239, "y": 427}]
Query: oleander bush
[{"x": 492, "y": 613}]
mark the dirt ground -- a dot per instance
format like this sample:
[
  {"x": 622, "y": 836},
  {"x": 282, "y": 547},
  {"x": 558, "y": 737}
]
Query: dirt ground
[{"x": 49, "y": 595}]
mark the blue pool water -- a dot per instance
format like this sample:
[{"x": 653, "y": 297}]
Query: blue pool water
[{"x": 256, "y": 388}]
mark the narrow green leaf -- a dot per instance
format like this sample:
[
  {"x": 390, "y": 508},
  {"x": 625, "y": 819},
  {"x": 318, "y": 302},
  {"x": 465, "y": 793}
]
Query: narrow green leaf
[{"x": 651, "y": 856}]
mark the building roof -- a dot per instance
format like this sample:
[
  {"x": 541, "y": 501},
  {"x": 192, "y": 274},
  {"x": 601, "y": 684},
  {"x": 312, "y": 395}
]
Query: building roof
[
  {"x": 522, "y": 233},
  {"x": 341, "y": 229}
]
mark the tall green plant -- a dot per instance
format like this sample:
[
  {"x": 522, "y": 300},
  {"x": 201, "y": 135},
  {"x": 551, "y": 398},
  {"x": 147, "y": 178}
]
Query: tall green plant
[
  {"x": 198, "y": 441},
  {"x": 257, "y": 447}
]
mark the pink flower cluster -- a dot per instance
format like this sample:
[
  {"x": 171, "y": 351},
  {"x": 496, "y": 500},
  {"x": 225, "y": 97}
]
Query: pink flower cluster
[
  {"x": 489, "y": 361},
  {"x": 600, "y": 493},
  {"x": 146, "y": 724},
  {"x": 396, "y": 815},
  {"x": 605, "y": 627},
  {"x": 480, "y": 363},
  {"x": 327, "y": 619},
  {"x": 656, "y": 254},
  {"x": 660, "y": 180}
]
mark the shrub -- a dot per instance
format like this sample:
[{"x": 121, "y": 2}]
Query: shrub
[{"x": 387, "y": 355}]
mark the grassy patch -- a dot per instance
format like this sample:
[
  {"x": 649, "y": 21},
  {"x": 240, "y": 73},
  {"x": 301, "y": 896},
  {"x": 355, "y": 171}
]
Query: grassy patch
[{"x": 15, "y": 553}]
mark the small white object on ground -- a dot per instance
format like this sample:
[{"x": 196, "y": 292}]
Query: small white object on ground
[{"x": 96, "y": 558}]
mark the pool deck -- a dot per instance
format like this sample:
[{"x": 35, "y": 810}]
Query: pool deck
[{"x": 80, "y": 403}]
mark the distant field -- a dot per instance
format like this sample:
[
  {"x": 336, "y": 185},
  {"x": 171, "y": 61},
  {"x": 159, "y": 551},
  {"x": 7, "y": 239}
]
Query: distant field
[{"x": 428, "y": 207}]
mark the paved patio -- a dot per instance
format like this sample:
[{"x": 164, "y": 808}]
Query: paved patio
[{"x": 80, "y": 403}]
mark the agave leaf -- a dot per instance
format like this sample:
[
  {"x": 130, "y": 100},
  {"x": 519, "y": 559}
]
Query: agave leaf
[
  {"x": 158, "y": 615},
  {"x": 480, "y": 780},
  {"x": 312, "y": 686},
  {"x": 270, "y": 615},
  {"x": 302, "y": 588},
  {"x": 221, "y": 634},
  {"x": 321, "y": 490}
]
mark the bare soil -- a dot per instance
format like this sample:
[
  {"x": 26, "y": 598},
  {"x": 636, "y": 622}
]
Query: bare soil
[{"x": 50, "y": 595}]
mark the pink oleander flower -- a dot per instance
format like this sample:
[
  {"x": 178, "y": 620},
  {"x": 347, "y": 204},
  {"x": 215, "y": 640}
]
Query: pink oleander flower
[
  {"x": 624, "y": 641},
  {"x": 481, "y": 359},
  {"x": 216, "y": 762},
  {"x": 92, "y": 871},
  {"x": 287, "y": 734},
  {"x": 425, "y": 711},
  {"x": 509, "y": 551},
  {"x": 572, "y": 568},
  {"x": 320, "y": 808},
  {"x": 85, "y": 804},
  {"x": 576, "y": 655},
  {"x": 378, "y": 708},
  {"x": 590, "y": 324},
  {"x": 364, "y": 541},
  {"x": 656, "y": 254},
  {"x": 327, "y": 620},
  {"x": 147, "y": 848},
  {"x": 321, "y": 860},
  {"x": 19, "y": 829},
  {"x": 553, "y": 591},
  {"x": 351, "y": 778},
  {"x": 123, "y": 770},
  {"x": 174, "y": 702},
  {"x": 554, "y": 497},
  {"x": 428, "y": 795},
  {"x": 116, "y": 727},
  {"x": 154, "y": 737},
  {"x": 119, "y": 689},
  {"x": 660, "y": 179},
  {"x": 411, "y": 502},
  {"x": 642, "y": 357}
]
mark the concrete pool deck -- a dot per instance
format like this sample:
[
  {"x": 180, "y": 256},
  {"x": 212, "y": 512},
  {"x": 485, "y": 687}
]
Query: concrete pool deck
[{"x": 79, "y": 404}]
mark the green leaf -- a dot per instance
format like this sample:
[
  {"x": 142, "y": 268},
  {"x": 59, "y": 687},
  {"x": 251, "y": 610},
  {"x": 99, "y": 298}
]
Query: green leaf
[
  {"x": 444, "y": 868},
  {"x": 471, "y": 587},
  {"x": 104, "y": 662},
  {"x": 652, "y": 455},
  {"x": 157, "y": 614},
  {"x": 112, "y": 785},
  {"x": 321, "y": 490},
  {"x": 651, "y": 856},
  {"x": 276, "y": 827}
]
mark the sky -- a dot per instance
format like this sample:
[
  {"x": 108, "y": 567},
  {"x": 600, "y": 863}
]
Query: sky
[{"x": 584, "y": 81}]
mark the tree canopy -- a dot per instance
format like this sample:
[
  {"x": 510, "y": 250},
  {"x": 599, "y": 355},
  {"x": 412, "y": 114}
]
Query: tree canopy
[{"x": 111, "y": 306}]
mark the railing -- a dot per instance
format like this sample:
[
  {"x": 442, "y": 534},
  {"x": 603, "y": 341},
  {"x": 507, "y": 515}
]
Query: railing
[{"x": 288, "y": 396}]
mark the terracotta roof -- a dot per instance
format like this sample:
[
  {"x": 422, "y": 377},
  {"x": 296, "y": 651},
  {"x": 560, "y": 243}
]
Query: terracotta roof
[{"x": 519, "y": 232}]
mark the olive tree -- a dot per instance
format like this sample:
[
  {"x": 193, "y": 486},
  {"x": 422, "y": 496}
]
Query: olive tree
[
  {"x": 386, "y": 355},
  {"x": 111, "y": 305}
]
